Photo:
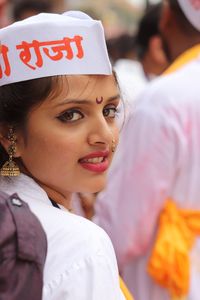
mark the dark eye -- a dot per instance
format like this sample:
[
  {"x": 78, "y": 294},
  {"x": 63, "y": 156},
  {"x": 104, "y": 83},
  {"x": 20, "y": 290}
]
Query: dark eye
[
  {"x": 110, "y": 112},
  {"x": 71, "y": 115}
]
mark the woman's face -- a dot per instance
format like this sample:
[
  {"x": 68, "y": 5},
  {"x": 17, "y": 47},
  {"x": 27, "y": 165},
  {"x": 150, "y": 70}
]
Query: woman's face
[{"x": 69, "y": 136}]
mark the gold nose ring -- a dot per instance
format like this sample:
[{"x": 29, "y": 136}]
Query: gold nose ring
[{"x": 113, "y": 145}]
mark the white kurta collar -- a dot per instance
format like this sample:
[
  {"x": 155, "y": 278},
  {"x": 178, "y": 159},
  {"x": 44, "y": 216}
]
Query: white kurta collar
[{"x": 25, "y": 187}]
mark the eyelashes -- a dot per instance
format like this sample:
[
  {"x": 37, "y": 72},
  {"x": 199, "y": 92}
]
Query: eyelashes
[
  {"x": 110, "y": 112},
  {"x": 73, "y": 114}
]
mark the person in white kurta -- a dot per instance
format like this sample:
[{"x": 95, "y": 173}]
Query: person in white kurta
[
  {"x": 80, "y": 254},
  {"x": 159, "y": 158},
  {"x": 134, "y": 74}
]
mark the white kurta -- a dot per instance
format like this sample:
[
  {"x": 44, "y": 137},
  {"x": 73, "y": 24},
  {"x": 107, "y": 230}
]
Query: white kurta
[
  {"x": 80, "y": 263},
  {"x": 158, "y": 156}
]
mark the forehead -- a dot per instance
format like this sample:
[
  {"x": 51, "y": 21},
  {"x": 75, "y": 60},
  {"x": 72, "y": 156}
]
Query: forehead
[{"x": 83, "y": 86}]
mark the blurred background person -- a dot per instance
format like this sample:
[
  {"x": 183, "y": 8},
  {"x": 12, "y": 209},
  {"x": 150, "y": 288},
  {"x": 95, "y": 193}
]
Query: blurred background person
[
  {"x": 151, "y": 202},
  {"x": 22, "y": 9},
  {"x": 140, "y": 57},
  {"x": 130, "y": 74},
  {"x": 149, "y": 47},
  {"x": 3, "y": 13}
]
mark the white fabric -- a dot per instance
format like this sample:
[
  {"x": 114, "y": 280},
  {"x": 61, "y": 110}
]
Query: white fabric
[
  {"x": 132, "y": 81},
  {"x": 51, "y": 44},
  {"x": 191, "y": 9},
  {"x": 131, "y": 77},
  {"x": 80, "y": 262},
  {"x": 159, "y": 157}
]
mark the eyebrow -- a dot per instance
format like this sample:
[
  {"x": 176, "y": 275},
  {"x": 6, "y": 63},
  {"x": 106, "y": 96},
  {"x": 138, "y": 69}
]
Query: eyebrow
[{"x": 74, "y": 101}]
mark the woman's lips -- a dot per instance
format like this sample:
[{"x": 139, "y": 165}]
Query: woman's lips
[{"x": 96, "y": 161}]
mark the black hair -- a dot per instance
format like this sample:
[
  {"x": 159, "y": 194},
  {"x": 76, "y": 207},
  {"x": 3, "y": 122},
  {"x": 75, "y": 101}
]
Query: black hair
[
  {"x": 148, "y": 27},
  {"x": 21, "y": 6},
  {"x": 126, "y": 44},
  {"x": 121, "y": 46},
  {"x": 17, "y": 99}
]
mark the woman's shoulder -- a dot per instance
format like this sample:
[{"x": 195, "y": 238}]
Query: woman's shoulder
[
  {"x": 71, "y": 235},
  {"x": 80, "y": 256},
  {"x": 59, "y": 223},
  {"x": 79, "y": 252}
]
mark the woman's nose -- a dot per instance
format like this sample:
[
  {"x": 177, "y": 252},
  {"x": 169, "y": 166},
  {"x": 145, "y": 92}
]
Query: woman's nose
[{"x": 100, "y": 133}]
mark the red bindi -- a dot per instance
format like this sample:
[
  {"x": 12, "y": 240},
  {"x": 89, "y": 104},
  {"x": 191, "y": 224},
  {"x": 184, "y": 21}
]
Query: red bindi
[{"x": 99, "y": 101}]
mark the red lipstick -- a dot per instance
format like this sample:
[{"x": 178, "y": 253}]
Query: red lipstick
[{"x": 95, "y": 161}]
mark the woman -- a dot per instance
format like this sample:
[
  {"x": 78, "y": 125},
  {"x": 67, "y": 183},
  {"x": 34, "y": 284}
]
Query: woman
[{"x": 58, "y": 102}]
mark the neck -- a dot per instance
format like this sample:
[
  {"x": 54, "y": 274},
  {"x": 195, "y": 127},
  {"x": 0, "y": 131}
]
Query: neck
[
  {"x": 152, "y": 68},
  {"x": 181, "y": 45},
  {"x": 59, "y": 198}
]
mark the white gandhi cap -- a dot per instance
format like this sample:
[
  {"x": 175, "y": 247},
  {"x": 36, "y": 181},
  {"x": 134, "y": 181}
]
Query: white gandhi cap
[
  {"x": 53, "y": 44},
  {"x": 191, "y": 9}
]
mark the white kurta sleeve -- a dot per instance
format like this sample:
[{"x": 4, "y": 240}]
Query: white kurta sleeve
[{"x": 141, "y": 179}]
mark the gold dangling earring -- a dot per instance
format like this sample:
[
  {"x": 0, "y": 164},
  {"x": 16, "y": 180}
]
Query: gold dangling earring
[
  {"x": 113, "y": 145},
  {"x": 10, "y": 168}
]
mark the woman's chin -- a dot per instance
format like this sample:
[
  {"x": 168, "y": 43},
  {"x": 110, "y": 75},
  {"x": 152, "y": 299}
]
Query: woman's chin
[{"x": 96, "y": 188}]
